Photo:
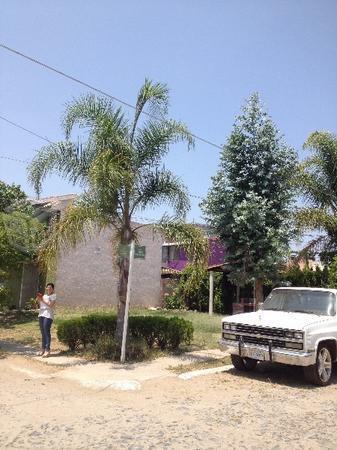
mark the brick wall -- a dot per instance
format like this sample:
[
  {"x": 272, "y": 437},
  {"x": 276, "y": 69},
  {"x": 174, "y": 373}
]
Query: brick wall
[{"x": 87, "y": 275}]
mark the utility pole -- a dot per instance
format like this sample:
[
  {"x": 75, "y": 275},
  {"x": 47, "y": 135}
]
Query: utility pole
[
  {"x": 211, "y": 292},
  {"x": 127, "y": 302}
]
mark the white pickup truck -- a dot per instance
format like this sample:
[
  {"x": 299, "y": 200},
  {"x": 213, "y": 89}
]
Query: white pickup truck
[{"x": 295, "y": 326}]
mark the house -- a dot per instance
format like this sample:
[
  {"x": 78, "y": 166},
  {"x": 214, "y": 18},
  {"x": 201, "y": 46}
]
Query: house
[
  {"x": 88, "y": 274},
  {"x": 174, "y": 261},
  {"x": 302, "y": 262}
]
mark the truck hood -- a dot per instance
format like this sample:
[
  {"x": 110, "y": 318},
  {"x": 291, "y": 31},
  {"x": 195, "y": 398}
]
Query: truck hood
[{"x": 278, "y": 319}]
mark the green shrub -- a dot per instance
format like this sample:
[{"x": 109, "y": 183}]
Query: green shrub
[
  {"x": 5, "y": 299},
  {"x": 99, "y": 329},
  {"x": 192, "y": 291},
  {"x": 71, "y": 332},
  {"x": 106, "y": 348},
  {"x": 306, "y": 276},
  {"x": 332, "y": 273},
  {"x": 136, "y": 349},
  {"x": 174, "y": 301},
  {"x": 162, "y": 331},
  {"x": 96, "y": 325},
  {"x": 143, "y": 327},
  {"x": 179, "y": 331}
]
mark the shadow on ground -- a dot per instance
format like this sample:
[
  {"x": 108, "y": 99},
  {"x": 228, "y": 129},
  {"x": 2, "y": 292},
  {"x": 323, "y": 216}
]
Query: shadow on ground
[
  {"x": 17, "y": 349},
  {"x": 274, "y": 373}
]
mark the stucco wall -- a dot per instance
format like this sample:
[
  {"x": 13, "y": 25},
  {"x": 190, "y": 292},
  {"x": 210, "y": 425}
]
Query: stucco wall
[{"x": 87, "y": 275}]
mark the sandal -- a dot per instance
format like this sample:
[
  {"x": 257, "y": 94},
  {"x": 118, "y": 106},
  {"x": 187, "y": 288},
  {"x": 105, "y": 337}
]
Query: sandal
[
  {"x": 46, "y": 354},
  {"x": 40, "y": 353}
]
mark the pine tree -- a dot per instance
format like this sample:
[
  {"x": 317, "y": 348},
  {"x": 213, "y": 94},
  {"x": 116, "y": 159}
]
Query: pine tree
[{"x": 249, "y": 203}]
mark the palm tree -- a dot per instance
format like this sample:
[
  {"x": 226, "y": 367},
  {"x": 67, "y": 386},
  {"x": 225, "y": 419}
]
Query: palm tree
[
  {"x": 120, "y": 168},
  {"x": 317, "y": 181}
]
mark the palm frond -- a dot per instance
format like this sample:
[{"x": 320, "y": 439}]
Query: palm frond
[
  {"x": 155, "y": 95},
  {"x": 92, "y": 112},
  {"x": 70, "y": 161},
  {"x": 108, "y": 128},
  {"x": 186, "y": 236},
  {"x": 321, "y": 168},
  {"x": 79, "y": 223},
  {"x": 315, "y": 246},
  {"x": 109, "y": 175},
  {"x": 314, "y": 186},
  {"x": 152, "y": 142},
  {"x": 161, "y": 186},
  {"x": 315, "y": 218}
]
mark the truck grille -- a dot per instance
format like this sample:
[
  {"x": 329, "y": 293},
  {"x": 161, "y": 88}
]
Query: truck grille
[
  {"x": 272, "y": 332},
  {"x": 262, "y": 341},
  {"x": 265, "y": 336}
]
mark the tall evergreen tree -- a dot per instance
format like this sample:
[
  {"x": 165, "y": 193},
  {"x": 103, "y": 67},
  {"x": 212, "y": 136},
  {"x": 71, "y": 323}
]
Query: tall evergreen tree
[{"x": 249, "y": 202}]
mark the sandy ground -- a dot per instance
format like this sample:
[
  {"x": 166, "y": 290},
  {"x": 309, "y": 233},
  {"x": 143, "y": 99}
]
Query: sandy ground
[{"x": 48, "y": 406}]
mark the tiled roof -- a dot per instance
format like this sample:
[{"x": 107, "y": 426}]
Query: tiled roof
[
  {"x": 169, "y": 271},
  {"x": 57, "y": 202},
  {"x": 53, "y": 199}
]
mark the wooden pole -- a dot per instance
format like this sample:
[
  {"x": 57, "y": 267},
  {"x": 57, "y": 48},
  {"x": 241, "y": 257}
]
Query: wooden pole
[
  {"x": 211, "y": 292},
  {"x": 127, "y": 302}
]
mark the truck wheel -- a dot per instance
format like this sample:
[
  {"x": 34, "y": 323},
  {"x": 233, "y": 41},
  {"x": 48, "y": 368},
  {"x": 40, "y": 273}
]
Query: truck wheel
[
  {"x": 245, "y": 364},
  {"x": 320, "y": 373}
]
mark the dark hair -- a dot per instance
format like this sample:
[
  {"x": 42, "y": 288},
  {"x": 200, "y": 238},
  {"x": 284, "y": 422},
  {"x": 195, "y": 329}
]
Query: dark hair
[{"x": 51, "y": 284}]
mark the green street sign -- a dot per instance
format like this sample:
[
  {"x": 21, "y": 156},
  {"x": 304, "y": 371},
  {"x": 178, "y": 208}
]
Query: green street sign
[
  {"x": 140, "y": 251},
  {"x": 124, "y": 250}
]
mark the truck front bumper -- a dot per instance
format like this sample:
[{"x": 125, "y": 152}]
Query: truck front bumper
[{"x": 283, "y": 356}]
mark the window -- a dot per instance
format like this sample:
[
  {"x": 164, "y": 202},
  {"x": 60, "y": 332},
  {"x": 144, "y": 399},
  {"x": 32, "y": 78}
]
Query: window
[{"x": 170, "y": 252}]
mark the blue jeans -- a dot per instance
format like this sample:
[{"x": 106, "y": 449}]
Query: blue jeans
[{"x": 45, "y": 325}]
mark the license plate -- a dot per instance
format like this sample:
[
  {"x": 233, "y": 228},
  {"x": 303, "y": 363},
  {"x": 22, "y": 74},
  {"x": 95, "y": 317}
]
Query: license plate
[{"x": 255, "y": 353}]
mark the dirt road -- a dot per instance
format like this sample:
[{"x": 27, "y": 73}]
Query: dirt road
[{"x": 273, "y": 408}]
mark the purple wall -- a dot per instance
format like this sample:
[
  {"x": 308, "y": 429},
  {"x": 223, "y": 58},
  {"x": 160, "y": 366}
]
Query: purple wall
[{"x": 217, "y": 256}]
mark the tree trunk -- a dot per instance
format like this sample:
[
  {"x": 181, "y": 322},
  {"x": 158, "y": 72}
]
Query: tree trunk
[
  {"x": 123, "y": 264},
  {"x": 258, "y": 293}
]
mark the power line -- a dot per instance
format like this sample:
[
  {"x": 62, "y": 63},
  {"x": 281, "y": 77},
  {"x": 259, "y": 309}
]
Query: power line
[
  {"x": 14, "y": 159},
  {"x": 45, "y": 139},
  {"x": 25, "y": 129},
  {"x": 89, "y": 86}
]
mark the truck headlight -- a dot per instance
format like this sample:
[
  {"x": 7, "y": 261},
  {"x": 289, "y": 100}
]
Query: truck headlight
[
  {"x": 298, "y": 335},
  {"x": 233, "y": 327},
  {"x": 289, "y": 334},
  {"x": 226, "y": 326},
  {"x": 229, "y": 336}
]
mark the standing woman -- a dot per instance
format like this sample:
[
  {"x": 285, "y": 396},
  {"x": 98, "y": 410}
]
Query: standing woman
[{"x": 46, "y": 317}]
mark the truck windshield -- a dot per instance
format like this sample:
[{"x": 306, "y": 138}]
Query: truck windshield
[{"x": 310, "y": 302}]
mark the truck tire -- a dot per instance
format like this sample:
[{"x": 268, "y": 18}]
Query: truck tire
[
  {"x": 320, "y": 373},
  {"x": 245, "y": 364}
]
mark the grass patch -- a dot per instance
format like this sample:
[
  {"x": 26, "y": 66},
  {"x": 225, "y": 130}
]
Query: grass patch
[
  {"x": 24, "y": 328},
  {"x": 207, "y": 329}
]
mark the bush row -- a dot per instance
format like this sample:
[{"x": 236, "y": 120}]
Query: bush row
[
  {"x": 106, "y": 347},
  {"x": 155, "y": 330}
]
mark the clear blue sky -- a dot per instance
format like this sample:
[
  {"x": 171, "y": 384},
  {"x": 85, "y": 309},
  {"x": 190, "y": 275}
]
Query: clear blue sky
[{"x": 212, "y": 54}]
